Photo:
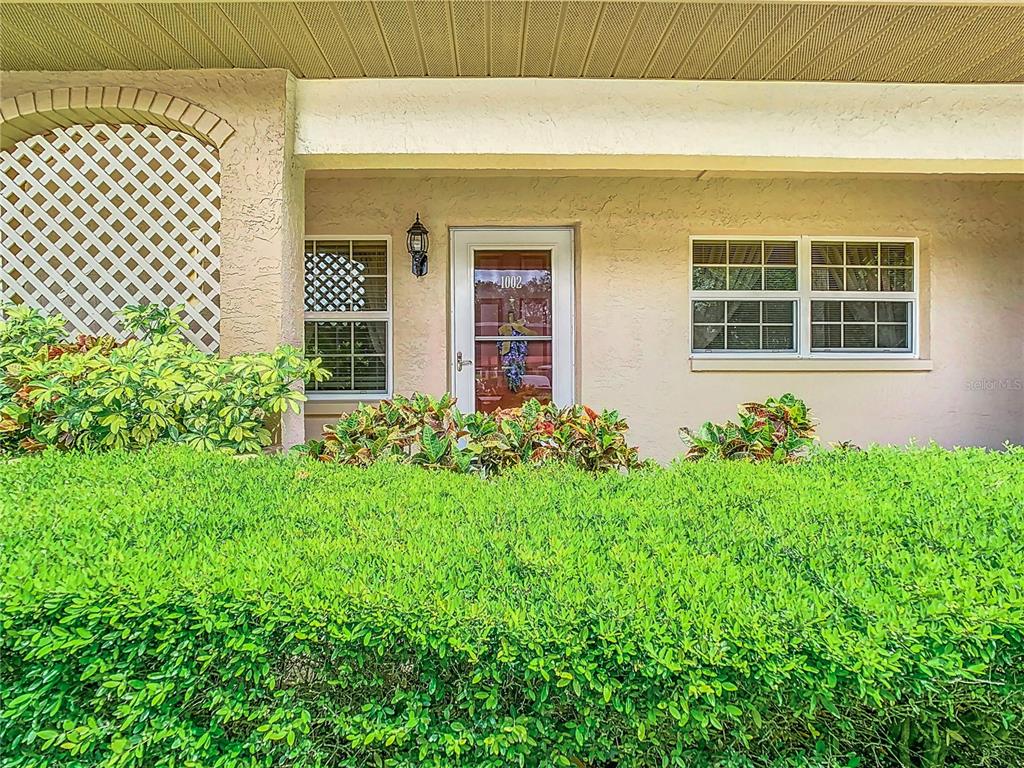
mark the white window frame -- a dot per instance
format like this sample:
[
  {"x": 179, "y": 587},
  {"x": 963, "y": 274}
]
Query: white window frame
[
  {"x": 355, "y": 315},
  {"x": 803, "y": 297}
]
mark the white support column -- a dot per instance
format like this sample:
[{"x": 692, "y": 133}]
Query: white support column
[{"x": 293, "y": 429}]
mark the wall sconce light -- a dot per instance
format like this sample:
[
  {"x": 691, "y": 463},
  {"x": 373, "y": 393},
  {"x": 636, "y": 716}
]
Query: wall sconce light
[{"x": 418, "y": 241}]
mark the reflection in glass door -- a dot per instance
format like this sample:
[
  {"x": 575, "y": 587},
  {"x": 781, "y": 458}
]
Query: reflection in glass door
[{"x": 512, "y": 327}]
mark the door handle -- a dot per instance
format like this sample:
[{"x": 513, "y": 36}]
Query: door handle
[{"x": 459, "y": 362}]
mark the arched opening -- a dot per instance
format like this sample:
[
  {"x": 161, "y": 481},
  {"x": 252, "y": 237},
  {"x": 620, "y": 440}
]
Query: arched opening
[{"x": 28, "y": 114}]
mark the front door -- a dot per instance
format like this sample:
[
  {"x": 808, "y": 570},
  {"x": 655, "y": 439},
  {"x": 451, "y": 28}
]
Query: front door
[{"x": 512, "y": 316}]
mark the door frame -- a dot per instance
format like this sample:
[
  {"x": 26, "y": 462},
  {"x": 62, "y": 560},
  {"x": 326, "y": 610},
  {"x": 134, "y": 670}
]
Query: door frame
[{"x": 561, "y": 241}]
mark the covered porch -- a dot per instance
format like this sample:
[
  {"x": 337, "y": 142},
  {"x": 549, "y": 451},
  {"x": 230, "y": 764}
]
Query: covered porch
[
  {"x": 492, "y": 162},
  {"x": 702, "y": 241}
]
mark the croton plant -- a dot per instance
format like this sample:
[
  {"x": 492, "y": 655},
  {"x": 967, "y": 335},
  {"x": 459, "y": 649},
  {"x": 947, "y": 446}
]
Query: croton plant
[
  {"x": 779, "y": 429},
  {"x": 433, "y": 432}
]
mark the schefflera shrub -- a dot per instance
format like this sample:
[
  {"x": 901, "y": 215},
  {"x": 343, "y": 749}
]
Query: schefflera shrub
[
  {"x": 178, "y": 608},
  {"x": 98, "y": 393},
  {"x": 434, "y": 433}
]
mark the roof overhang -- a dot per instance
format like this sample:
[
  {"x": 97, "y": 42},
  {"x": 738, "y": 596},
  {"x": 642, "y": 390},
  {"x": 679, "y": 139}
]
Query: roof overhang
[{"x": 833, "y": 40}]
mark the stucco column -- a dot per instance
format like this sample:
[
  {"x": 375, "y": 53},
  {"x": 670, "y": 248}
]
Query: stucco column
[{"x": 262, "y": 221}]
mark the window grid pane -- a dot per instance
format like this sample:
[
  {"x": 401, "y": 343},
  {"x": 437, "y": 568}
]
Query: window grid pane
[
  {"x": 346, "y": 276},
  {"x": 862, "y": 266},
  {"x": 744, "y": 265},
  {"x": 749, "y": 326},
  {"x": 861, "y": 326},
  {"x": 354, "y": 351}
]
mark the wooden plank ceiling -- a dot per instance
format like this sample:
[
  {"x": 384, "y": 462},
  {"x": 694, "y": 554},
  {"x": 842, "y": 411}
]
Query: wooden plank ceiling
[{"x": 909, "y": 42}]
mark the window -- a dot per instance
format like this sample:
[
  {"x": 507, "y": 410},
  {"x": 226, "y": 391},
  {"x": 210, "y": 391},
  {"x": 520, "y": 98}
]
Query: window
[
  {"x": 348, "y": 314},
  {"x": 868, "y": 273},
  {"x": 804, "y": 296}
]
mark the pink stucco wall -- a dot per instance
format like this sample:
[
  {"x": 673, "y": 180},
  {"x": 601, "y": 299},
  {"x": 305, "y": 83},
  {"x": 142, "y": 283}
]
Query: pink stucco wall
[{"x": 632, "y": 263}]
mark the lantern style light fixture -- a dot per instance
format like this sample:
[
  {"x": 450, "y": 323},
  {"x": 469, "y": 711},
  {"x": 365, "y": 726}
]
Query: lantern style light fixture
[{"x": 418, "y": 241}]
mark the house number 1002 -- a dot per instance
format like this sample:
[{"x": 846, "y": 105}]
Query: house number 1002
[{"x": 511, "y": 281}]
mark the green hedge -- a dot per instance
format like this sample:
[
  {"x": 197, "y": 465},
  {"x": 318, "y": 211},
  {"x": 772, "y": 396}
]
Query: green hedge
[{"x": 173, "y": 608}]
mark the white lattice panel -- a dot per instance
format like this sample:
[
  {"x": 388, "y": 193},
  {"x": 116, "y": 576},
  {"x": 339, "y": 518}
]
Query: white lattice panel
[{"x": 98, "y": 217}]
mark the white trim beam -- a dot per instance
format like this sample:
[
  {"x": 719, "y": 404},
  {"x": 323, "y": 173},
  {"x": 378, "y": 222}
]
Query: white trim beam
[
  {"x": 653, "y": 2},
  {"x": 659, "y": 126}
]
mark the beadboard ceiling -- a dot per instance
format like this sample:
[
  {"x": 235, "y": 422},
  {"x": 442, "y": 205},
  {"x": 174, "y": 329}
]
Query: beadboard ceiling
[{"x": 825, "y": 41}]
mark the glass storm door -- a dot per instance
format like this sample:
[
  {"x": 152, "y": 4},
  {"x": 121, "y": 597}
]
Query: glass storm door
[{"x": 511, "y": 317}]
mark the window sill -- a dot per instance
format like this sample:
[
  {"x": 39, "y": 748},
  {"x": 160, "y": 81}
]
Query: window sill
[
  {"x": 881, "y": 364},
  {"x": 333, "y": 403}
]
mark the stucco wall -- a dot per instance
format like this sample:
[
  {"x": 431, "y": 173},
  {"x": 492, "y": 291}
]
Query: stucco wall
[
  {"x": 261, "y": 206},
  {"x": 633, "y": 330}
]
